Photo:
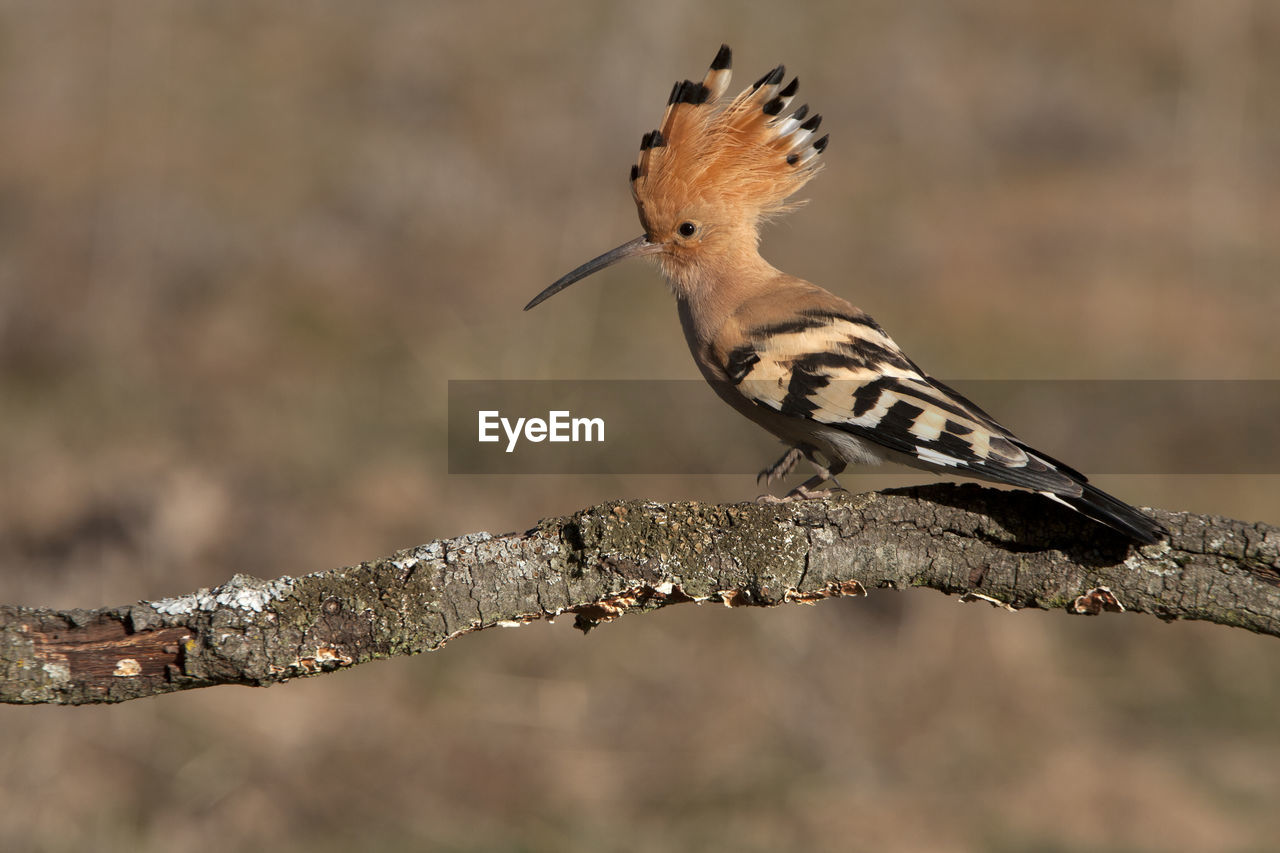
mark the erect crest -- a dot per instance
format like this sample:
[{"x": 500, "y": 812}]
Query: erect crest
[{"x": 746, "y": 156}]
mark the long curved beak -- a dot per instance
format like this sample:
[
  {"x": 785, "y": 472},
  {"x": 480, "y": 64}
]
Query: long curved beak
[{"x": 638, "y": 247}]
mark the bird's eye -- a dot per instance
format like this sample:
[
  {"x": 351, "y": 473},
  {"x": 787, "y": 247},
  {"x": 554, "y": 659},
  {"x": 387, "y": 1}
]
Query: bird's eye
[{"x": 687, "y": 229}]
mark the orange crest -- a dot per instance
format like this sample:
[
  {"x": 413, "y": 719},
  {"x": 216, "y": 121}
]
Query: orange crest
[{"x": 746, "y": 157}]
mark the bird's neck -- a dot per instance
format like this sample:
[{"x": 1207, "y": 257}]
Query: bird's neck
[{"x": 711, "y": 291}]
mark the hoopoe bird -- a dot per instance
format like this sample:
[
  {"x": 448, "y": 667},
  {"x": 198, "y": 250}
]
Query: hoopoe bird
[{"x": 801, "y": 362}]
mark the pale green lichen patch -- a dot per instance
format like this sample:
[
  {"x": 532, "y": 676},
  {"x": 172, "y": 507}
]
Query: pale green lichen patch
[
  {"x": 57, "y": 672},
  {"x": 242, "y": 592}
]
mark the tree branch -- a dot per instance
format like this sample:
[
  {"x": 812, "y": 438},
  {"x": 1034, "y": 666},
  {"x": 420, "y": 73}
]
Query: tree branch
[{"x": 1009, "y": 548}]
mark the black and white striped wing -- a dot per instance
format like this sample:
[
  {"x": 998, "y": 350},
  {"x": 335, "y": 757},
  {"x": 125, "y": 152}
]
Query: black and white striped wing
[
  {"x": 843, "y": 371},
  {"x": 840, "y": 370}
]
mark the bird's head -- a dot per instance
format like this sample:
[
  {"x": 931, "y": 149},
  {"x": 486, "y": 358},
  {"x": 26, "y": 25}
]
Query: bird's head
[{"x": 708, "y": 177}]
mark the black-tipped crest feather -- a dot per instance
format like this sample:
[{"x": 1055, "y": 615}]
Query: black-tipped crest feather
[{"x": 746, "y": 154}]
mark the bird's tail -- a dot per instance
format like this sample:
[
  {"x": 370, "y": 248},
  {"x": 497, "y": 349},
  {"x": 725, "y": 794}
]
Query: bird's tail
[{"x": 1115, "y": 513}]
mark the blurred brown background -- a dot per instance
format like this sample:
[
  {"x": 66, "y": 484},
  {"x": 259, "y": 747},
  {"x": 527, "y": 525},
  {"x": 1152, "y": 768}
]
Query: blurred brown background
[{"x": 244, "y": 246}]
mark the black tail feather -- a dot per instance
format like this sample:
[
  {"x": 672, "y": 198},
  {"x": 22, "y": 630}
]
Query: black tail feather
[{"x": 1116, "y": 514}]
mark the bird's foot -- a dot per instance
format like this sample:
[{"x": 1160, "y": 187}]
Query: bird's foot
[
  {"x": 801, "y": 492},
  {"x": 809, "y": 488}
]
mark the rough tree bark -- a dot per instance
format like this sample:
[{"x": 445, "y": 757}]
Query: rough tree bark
[{"x": 1008, "y": 548}]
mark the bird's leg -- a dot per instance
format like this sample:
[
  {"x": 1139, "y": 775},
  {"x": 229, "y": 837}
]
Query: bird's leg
[
  {"x": 809, "y": 488},
  {"x": 834, "y": 471},
  {"x": 781, "y": 468}
]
